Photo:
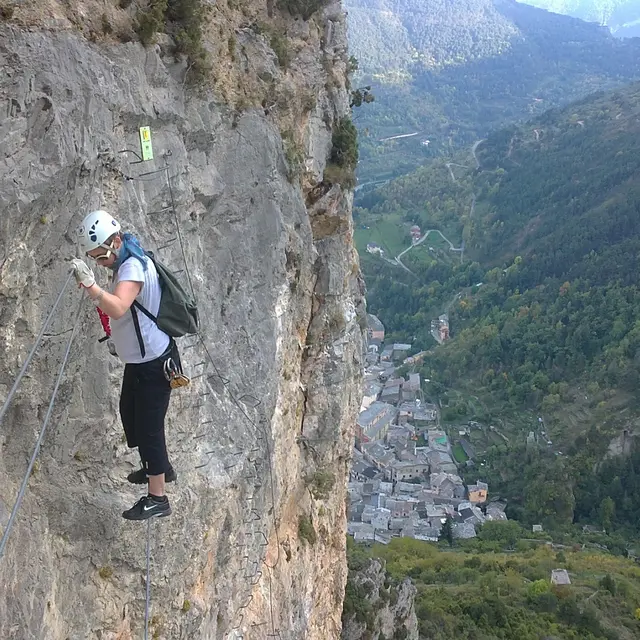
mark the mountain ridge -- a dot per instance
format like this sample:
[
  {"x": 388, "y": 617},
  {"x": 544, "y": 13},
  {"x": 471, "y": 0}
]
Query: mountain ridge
[
  {"x": 621, "y": 16},
  {"x": 528, "y": 61}
]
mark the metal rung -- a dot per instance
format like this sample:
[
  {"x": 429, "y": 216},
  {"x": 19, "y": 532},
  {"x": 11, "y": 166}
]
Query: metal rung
[
  {"x": 251, "y": 575},
  {"x": 239, "y": 623},
  {"x": 256, "y": 579},
  {"x": 153, "y": 213},
  {"x": 266, "y": 542},
  {"x": 219, "y": 377},
  {"x": 254, "y": 517},
  {"x": 148, "y": 173},
  {"x": 168, "y": 244},
  {"x": 209, "y": 453},
  {"x": 135, "y": 153}
]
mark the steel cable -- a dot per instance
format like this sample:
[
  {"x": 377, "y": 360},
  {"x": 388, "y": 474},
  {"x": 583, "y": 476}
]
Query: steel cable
[
  {"x": 147, "y": 604},
  {"x": 34, "y": 348},
  {"x": 225, "y": 383},
  {"x": 43, "y": 428}
]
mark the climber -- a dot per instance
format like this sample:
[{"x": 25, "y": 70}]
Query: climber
[{"x": 140, "y": 344}]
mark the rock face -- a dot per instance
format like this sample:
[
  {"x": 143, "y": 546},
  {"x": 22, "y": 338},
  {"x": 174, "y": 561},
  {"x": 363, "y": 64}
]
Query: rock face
[
  {"x": 389, "y": 611},
  {"x": 261, "y": 438}
]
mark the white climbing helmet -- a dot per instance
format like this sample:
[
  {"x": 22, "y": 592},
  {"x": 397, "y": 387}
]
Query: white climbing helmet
[{"x": 96, "y": 229}]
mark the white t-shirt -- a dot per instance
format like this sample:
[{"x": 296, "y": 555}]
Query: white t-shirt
[{"x": 123, "y": 330}]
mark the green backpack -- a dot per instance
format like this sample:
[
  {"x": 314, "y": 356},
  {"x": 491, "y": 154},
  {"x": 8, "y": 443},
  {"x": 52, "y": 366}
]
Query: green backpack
[{"x": 178, "y": 312}]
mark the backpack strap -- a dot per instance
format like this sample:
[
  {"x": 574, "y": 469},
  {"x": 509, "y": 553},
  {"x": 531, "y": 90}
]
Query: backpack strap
[
  {"x": 136, "y": 323},
  {"x": 136, "y": 326},
  {"x": 146, "y": 312}
]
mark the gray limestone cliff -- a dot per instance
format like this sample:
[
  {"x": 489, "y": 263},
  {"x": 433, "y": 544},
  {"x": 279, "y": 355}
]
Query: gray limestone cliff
[
  {"x": 375, "y": 609},
  {"x": 262, "y": 437}
]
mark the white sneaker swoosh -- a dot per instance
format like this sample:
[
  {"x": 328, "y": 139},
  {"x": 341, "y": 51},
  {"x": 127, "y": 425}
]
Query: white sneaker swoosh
[{"x": 148, "y": 508}]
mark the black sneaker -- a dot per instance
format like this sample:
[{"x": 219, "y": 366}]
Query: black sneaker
[
  {"x": 148, "y": 507},
  {"x": 140, "y": 476}
]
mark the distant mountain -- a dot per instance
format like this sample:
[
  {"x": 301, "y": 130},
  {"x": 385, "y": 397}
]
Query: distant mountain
[
  {"x": 621, "y": 16},
  {"x": 396, "y": 38},
  {"x": 450, "y": 71}
]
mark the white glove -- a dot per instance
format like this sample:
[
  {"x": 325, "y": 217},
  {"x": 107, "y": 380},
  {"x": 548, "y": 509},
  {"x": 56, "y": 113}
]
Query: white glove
[{"x": 82, "y": 273}]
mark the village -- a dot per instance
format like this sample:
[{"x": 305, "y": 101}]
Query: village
[{"x": 404, "y": 481}]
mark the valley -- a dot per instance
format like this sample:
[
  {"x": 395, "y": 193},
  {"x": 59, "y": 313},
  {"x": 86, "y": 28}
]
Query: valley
[{"x": 445, "y": 69}]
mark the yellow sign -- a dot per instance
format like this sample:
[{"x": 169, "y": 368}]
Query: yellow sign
[{"x": 145, "y": 143}]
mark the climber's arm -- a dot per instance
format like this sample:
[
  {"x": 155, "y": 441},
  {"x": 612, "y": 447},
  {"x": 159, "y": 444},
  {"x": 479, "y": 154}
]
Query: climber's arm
[{"x": 115, "y": 304}]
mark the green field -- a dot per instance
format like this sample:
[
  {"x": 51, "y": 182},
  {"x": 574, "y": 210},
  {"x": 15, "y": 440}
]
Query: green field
[
  {"x": 459, "y": 454},
  {"x": 392, "y": 234}
]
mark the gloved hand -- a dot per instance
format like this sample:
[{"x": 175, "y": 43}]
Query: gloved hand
[{"x": 82, "y": 273}]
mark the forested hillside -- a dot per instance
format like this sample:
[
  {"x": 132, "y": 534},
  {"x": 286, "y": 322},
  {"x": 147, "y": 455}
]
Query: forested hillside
[
  {"x": 450, "y": 71},
  {"x": 499, "y": 587},
  {"x": 621, "y": 16},
  {"x": 544, "y": 307}
]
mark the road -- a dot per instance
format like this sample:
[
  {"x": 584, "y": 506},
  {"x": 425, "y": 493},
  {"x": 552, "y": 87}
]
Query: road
[
  {"x": 403, "y": 135},
  {"x": 366, "y": 184},
  {"x": 420, "y": 241},
  {"x": 454, "y": 164},
  {"x": 473, "y": 151}
]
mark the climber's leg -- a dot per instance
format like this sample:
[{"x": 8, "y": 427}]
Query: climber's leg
[{"x": 151, "y": 403}]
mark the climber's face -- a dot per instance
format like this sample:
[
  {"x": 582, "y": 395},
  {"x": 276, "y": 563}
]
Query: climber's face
[{"x": 106, "y": 254}]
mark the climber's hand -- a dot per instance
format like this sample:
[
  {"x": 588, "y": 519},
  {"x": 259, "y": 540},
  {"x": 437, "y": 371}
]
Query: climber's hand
[{"x": 82, "y": 273}]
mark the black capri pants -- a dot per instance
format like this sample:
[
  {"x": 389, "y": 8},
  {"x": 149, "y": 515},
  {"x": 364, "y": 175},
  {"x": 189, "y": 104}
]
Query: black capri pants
[{"x": 144, "y": 401}]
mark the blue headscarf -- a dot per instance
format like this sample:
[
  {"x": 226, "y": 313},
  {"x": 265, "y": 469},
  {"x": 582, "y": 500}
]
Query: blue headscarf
[{"x": 130, "y": 249}]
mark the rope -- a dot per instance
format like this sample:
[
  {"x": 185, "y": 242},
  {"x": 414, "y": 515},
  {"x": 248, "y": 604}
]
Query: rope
[
  {"x": 43, "y": 428},
  {"x": 147, "y": 604},
  {"x": 36, "y": 344}
]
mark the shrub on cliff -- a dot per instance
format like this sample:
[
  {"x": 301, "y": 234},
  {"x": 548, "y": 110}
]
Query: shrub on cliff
[
  {"x": 151, "y": 21},
  {"x": 344, "y": 154},
  {"x": 303, "y": 8}
]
